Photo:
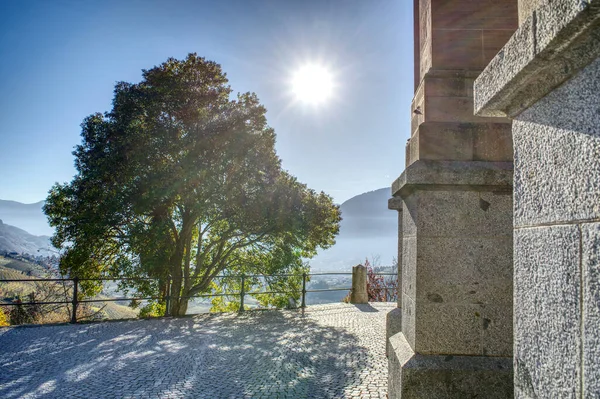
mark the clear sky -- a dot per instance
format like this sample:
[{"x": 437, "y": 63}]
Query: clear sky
[{"x": 60, "y": 60}]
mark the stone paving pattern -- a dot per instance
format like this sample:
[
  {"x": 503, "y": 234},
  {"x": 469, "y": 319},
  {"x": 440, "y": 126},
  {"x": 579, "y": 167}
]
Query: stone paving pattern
[{"x": 329, "y": 351}]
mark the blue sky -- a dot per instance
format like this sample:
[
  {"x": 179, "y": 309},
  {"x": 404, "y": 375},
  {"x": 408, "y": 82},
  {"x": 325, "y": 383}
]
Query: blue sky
[{"x": 61, "y": 59}]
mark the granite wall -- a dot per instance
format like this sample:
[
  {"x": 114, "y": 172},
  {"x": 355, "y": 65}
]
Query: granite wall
[
  {"x": 547, "y": 80},
  {"x": 557, "y": 240}
]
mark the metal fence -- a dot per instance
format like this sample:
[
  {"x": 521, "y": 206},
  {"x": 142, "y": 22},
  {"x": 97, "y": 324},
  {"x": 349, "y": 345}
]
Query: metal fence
[{"x": 75, "y": 282}]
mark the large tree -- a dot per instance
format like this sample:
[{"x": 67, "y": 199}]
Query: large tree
[{"x": 180, "y": 182}]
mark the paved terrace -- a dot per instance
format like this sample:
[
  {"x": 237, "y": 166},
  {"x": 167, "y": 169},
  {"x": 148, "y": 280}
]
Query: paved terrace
[{"x": 330, "y": 351}]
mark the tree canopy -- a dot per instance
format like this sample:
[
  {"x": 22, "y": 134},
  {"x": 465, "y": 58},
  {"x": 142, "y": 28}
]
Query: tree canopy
[{"x": 180, "y": 182}]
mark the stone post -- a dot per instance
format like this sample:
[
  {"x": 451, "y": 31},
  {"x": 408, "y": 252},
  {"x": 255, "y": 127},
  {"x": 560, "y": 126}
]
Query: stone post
[
  {"x": 359, "y": 285},
  {"x": 547, "y": 79},
  {"x": 456, "y": 194}
]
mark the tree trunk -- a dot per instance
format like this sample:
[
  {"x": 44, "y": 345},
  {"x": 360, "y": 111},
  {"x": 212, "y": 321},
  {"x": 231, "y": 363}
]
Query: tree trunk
[
  {"x": 179, "y": 305},
  {"x": 179, "y": 308}
]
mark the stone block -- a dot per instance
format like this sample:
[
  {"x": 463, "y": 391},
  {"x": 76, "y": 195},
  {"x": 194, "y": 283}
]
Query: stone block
[
  {"x": 462, "y": 142},
  {"x": 475, "y": 270},
  {"x": 493, "y": 41},
  {"x": 553, "y": 19},
  {"x": 393, "y": 325},
  {"x": 407, "y": 153},
  {"x": 447, "y": 328},
  {"x": 425, "y": 62},
  {"x": 409, "y": 266},
  {"x": 417, "y": 103},
  {"x": 457, "y": 49},
  {"x": 591, "y": 309},
  {"x": 413, "y": 149},
  {"x": 526, "y": 8},
  {"x": 395, "y": 204},
  {"x": 550, "y": 47},
  {"x": 502, "y": 69},
  {"x": 557, "y": 154},
  {"x": 416, "y": 376},
  {"x": 494, "y": 177},
  {"x": 451, "y": 109},
  {"x": 424, "y": 22},
  {"x": 547, "y": 319},
  {"x": 408, "y": 319},
  {"x": 409, "y": 217},
  {"x": 463, "y": 213},
  {"x": 448, "y": 85},
  {"x": 497, "y": 328},
  {"x": 440, "y": 141},
  {"x": 474, "y": 14},
  {"x": 493, "y": 142}
]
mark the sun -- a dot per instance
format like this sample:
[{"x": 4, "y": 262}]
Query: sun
[{"x": 312, "y": 84}]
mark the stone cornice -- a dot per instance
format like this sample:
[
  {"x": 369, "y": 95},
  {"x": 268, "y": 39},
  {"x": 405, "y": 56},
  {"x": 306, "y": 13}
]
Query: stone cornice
[
  {"x": 454, "y": 175},
  {"x": 556, "y": 41}
]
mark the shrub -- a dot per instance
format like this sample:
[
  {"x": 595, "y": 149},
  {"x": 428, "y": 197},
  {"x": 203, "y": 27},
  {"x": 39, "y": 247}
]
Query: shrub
[
  {"x": 153, "y": 309},
  {"x": 3, "y": 319},
  {"x": 25, "y": 314}
]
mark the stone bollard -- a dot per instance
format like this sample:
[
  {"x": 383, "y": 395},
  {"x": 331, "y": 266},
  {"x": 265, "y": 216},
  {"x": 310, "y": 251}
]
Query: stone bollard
[{"x": 359, "y": 285}]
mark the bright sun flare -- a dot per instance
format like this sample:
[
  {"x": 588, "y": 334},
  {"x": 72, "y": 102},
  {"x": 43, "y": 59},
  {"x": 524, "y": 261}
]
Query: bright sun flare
[{"x": 312, "y": 84}]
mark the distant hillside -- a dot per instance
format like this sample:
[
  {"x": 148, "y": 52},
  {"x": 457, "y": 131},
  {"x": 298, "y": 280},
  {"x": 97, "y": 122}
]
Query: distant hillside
[
  {"x": 14, "y": 239},
  {"x": 368, "y": 229},
  {"x": 370, "y": 204},
  {"x": 21, "y": 266},
  {"x": 28, "y": 217},
  {"x": 367, "y": 216}
]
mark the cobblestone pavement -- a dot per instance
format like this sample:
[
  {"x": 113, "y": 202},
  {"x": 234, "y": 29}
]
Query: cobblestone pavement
[{"x": 330, "y": 351}]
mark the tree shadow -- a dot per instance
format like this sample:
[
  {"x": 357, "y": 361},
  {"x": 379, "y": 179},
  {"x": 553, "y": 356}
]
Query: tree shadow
[{"x": 226, "y": 356}]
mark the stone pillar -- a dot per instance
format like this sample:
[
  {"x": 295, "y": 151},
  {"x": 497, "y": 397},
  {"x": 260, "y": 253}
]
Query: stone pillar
[
  {"x": 394, "y": 317},
  {"x": 359, "y": 285},
  {"x": 456, "y": 193},
  {"x": 547, "y": 79}
]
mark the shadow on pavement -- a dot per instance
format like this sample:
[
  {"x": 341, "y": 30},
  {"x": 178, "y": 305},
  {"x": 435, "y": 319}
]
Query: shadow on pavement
[{"x": 224, "y": 356}]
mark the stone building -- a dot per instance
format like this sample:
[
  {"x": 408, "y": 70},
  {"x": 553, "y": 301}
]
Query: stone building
[{"x": 470, "y": 225}]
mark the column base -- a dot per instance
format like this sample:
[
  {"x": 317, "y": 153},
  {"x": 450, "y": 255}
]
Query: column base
[
  {"x": 393, "y": 325},
  {"x": 416, "y": 376}
]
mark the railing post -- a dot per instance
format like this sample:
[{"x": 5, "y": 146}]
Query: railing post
[
  {"x": 303, "y": 305},
  {"x": 242, "y": 294},
  {"x": 74, "y": 314}
]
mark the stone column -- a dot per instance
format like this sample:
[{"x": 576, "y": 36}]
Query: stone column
[
  {"x": 547, "y": 79},
  {"x": 394, "y": 317},
  {"x": 456, "y": 191},
  {"x": 359, "y": 285}
]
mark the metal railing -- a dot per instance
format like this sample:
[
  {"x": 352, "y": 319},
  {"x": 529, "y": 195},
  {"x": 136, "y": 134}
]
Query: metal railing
[{"x": 75, "y": 301}]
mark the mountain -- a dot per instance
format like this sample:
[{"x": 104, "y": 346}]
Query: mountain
[
  {"x": 372, "y": 204},
  {"x": 29, "y": 217},
  {"x": 367, "y": 216},
  {"x": 368, "y": 230},
  {"x": 14, "y": 239}
]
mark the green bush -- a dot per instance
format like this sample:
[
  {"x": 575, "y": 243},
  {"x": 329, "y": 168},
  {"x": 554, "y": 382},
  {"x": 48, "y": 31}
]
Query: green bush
[{"x": 153, "y": 309}]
